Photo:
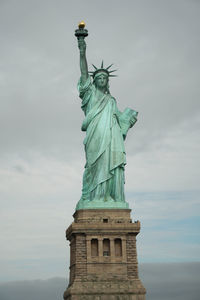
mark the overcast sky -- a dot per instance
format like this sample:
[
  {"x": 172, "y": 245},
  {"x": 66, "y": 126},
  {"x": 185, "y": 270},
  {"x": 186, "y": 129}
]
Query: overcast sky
[
  {"x": 155, "y": 45},
  {"x": 162, "y": 281}
]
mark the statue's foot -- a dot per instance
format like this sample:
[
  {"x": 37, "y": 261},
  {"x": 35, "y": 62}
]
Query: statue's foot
[{"x": 108, "y": 199}]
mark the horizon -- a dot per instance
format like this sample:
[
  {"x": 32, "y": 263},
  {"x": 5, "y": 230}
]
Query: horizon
[{"x": 179, "y": 281}]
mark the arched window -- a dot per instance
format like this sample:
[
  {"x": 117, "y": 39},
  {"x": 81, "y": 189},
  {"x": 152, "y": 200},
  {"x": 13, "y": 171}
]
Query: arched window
[
  {"x": 94, "y": 247},
  {"x": 106, "y": 247},
  {"x": 118, "y": 247}
]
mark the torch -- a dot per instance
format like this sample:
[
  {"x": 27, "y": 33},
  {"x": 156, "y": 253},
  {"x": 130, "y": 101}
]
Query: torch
[{"x": 81, "y": 32}]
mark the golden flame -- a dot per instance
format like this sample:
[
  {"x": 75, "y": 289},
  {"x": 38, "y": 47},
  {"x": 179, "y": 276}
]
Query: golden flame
[{"x": 81, "y": 25}]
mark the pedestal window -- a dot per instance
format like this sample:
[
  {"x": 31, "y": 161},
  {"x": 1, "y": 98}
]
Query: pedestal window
[
  {"x": 106, "y": 247},
  {"x": 118, "y": 247},
  {"x": 94, "y": 247}
]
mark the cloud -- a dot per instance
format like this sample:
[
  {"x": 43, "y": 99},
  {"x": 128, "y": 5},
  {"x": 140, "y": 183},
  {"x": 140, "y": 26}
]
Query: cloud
[
  {"x": 162, "y": 281},
  {"x": 37, "y": 289},
  {"x": 169, "y": 162},
  {"x": 171, "y": 281},
  {"x": 155, "y": 46},
  {"x": 158, "y": 69}
]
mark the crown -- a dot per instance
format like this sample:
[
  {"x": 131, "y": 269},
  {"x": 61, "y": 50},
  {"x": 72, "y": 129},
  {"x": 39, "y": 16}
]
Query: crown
[{"x": 102, "y": 69}]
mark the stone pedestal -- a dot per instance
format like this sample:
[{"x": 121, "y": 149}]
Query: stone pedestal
[{"x": 103, "y": 257}]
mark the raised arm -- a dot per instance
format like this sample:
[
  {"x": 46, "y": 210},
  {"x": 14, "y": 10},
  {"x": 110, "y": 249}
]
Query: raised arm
[{"x": 83, "y": 60}]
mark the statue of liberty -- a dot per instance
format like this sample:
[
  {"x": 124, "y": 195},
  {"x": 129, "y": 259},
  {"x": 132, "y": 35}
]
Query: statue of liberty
[{"x": 106, "y": 129}]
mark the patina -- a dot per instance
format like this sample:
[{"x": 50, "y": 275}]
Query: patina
[{"x": 106, "y": 129}]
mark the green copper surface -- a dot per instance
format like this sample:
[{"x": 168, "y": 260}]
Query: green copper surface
[
  {"x": 101, "y": 204},
  {"x": 106, "y": 129}
]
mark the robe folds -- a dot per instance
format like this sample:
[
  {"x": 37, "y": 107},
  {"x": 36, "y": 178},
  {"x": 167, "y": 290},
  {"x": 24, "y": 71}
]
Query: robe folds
[{"x": 103, "y": 178}]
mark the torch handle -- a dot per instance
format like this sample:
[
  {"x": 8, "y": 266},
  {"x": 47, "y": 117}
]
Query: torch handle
[{"x": 81, "y": 33}]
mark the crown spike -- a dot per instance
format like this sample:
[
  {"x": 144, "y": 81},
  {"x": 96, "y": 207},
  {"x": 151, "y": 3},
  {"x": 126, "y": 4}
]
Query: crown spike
[
  {"x": 109, "y": 67},
  {"x": 102, "y": 65},
  {"x": 95, "y": 67},
  {"x": 112, "y": 75},
  {"x": 112, "y": 71}
]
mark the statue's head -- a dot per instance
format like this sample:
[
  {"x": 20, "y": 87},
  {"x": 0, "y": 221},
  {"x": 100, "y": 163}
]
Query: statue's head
[
  {"x": 101, "y": 80},
  {"x": 101, "y": 76}
]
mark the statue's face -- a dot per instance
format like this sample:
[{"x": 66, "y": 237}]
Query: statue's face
[{"x": 101, "y": 81}]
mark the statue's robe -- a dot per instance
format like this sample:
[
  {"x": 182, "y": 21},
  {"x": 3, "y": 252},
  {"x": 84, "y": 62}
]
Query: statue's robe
[{"x": 103, "y": 177}]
